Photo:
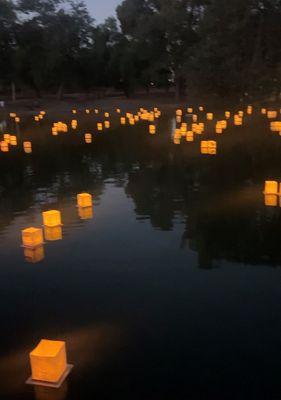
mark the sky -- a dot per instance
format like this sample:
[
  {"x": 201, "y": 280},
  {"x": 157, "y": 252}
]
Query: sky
[{"x": 101, "y": 9}]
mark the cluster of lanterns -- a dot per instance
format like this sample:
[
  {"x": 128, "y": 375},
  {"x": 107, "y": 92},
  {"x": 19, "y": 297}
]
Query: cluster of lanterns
[
  {"x": 33, "y": 238},
  {"x": 40, "y": 116}
]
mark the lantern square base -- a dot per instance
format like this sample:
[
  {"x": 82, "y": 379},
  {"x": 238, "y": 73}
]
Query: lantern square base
[{"x": 55, "y": 385}]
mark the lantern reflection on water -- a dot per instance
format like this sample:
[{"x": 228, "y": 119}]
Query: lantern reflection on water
[
  {"x": 48, "y": 362},
  {"x": 85, "y": 212},
  {"x": 53, "y": 233},
  {"x": 34, "y": 254},
  {"x": 51, "y": 218},
  {"x": 32, "y": 237},
  {"x": 270, "y": 200},
  {"x": 84, "y": 200}
]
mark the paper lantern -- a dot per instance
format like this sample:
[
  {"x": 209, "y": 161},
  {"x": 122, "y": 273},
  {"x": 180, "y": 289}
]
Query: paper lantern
[
  {"x": 13, "y": 115},
  {"x": 275, "y": 126},
  {"x": 106, "y": 114},
  {"x": 210, "y": 116},
  {"x": 53, "y": 233},
  {"x": 36, "y": 118},
  {"x": 272, "y": 114},
  {"x": 263, "y": 111},
  {"x": 48, "y": 361},
  {"x": 17, "y": 120},
  {"x": 13, "y": 141},
  {"x": 250, "y": 110},
  {"x": 123, "y": 121},
  {"x": 85, "y": 212},
  {"x": 74, "y": 111},
  {"x": 96, "y": 111},
  {"x": 201, "y": 108},
  {"x": 40, "y": 116},
  {"x": 35, "y": 254},
  {"x": 27, "y": 147},
  {"x": 107, "y": 124},
  {"x": 42, "y": 113},
  {"x": 271, "y": 187},
  {"x": 84, "y": 200},
  {"x": 4, "y": 146},
  {"x": 32, "y": 237},
  {"x": 6, "y": 137},
  {"x": 177, "y": 141},
  {"x": 270, "y": 200},
  {"x": 241, "y": 113},
  {"x": 189, "y": 136},
  {"x": 152, "y": 129},
  {"x": 118, "y": 110},
  {"x": 87, "y": 111},
  {"x": 132, "y": 121},
  {"x": 194, "y": 118},
  {"x": 179, "y": 112},
  {"x": 88, "y": 138},
  {"x": 178, "y": 119},
  {"x": 190, "y": 110},
  {"x": 99, "y": 126},
  {"x": 137, "y": 118},
  {"x": 52, "y": 218},
  {"x": 227, "y": 114}
]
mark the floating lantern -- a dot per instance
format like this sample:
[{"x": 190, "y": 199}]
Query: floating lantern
[
  {"x": 32, "y": 237},
  {"x": 52, "y": 218},
  {"x": 227, "y": 114},
  {"x": 210, "y": 116},
  {"x": 271, "y": 187},
  {"x": 250, "y": 110},
  {"x": 189, "y": 136},
  {"x": 6, "y": 137},
  {"x": 238, "y": 121},
  {"x": 48, "y": 362},
  {"x": 270, "y": 200},
  {"x": 84, "y": 200},
  {"x": 87, "y": 111},
  {"x": 178, "y": 119},
  {"x": 17, "y": 120},
  {"x": 241, "y": 113},
  {"x": 201, "y": 108},
  {"x": 194, "y": 118},
  {"x": 263, "y": 111},
  {"x": 13, "y": 115},
  {"x": 218, "y": 128},
  {"x": 272, "y": 114},
  {"x": 4, "y": 146},
  {"x": 118, "y": 110},
  {"x": 36, "y": 118},
  {"x": 177, "y": 141},
  {"x": 107, "y": 124},
  {"x": 183, "y": 129},
  {"x": 42, "y": 113},
  {"x": 275, "y": 126},
  {"x": 137, "y": 118},
  {"x": 34, "y": 255},
  {"x": 13, "y": 141},
  {"x": 27, "y": 147},
  {"x": 123, "y": 121},
  {"x": 190, "y": 110},
  {"x": 99, "y": 126},
  {"x": 40, "y": 116},
  {"x": 152, "y": 129},
  {"x": 53, "y": 233},
  {"x": 179, "y": 112},
  {"x": 132, "y": 121},
  {"x": 74, "y": 111},
  {"x": 96, "y": 111},
  {"x": 88, "y": 138},
  {"x": 106, "y": 114},
  {"x": 85, "y": 212},
  {"x": 208, "y": 147}
]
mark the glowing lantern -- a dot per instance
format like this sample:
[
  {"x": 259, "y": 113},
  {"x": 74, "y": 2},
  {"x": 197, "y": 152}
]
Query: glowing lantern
[
  {"x": 17, "y": 120},
  {"x": 118, "y": 110},
  {"x": 85, "y": 212},
  {"x": 241, "y": 113},
  {"x": 132, "y": 121},
  {"x": 137, "y": 118},
  {"x": 27, "y": 147},
  {"x": 13, "y": 115},
  {"x": 151, "y": 117},
  {"x": 48, "y": 361},
  {"x": 106, "y": 114},
  {"x": 189, "y": 136},
  {"x": 201, "y": 108},
  {"x": 54, "y": 131},
  {"x": 271, "y": 187},
  {"x": 275, "y": 126},
  {"x": 194, "y": 118},
  {"x": 96, "y": 111},
  {"x": 13, "y": 141},
  {"x": 190, "y": 110},
  {"x": 87, "y": 111},
  {"x": 74, "y": 123},
  {"x": 4, "y": 146},
  {"x": 40, "y": 116},
  {"x": 6, "y": 138},
  {"x": 36, "y": 118},
  {"x": 32, "y": 237},
  {"x": 179, "y": 112},
  {"x": 123, "y": 121},
  {"x": 152, "y": 129},
  {"x": 209, "y": 147},
  {"x": 42, "y": 113},
  {"x": 106, "y": 124},
  {"x": 270, "y": 200},
  {"x": 218, "y": 128},
  {"x": 227, "y": 114},
  {"x": 272, "y": 114},
  {"x": 210, "y": 116},
  {"x": 99, "y": 126},
  {"x": 250, "y": 110},
  {"x": 34, "y": 255},
  {"x": 238, "y": 121},
  {"x": 177, "y": 141},
  {"x": 88, "y": 138},
  {"x": 74, "y": 111},
  {"x": 53, "y": 233},
  {"x": 84, "y": 200},
  {"x": 52, "y": 218},
  {"x": 263, "y": 111},
  {"x": 178, "y": 119},
  {"x": 183, "y": 130}
]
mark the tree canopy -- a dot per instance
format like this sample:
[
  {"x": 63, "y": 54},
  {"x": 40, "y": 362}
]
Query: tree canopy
[{"x": 225, "y": 47}]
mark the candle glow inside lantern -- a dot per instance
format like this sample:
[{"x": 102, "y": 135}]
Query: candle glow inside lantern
[
  {"x": 84, "y": 200},
  {"x": 52, "y": 218},
  {"x": 152, "y": 129},
  {"x": 99, "y": 126},
  {"x": 4, "y": 146},
  {"x": 48, "y": 361},
  {"x": 210, "y": 116},
  {"x": 270, "y": 200},
  {"x": 107, "y": 124},
  {"x": 32, "y": 237},
  {"x": 271, "y": 187}
]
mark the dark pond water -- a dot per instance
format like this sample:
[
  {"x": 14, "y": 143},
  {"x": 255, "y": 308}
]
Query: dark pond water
[{"x": 172, "y": 290}]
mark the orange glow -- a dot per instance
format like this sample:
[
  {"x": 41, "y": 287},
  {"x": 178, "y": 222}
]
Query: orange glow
[
  {"x": 179, "y": 113},
  {"x": 32, "y": 237},
  {"x": 189, "y": 136},
  {"x": 34, "y": 255},
  {"x": 99, "y": 126},
  {"x": 190, "y": 110},
  {"x": 270, "y": 200},
  {"x": 52, "y": 234},
  {"x": 106, "y": 124},
  {"x": 51, "y": 218},
  {"x": 48, "y": 361},
  {"x": 4, "y": 146},
  {"x": 271, "y": 187},
  {"x": 123, "y": 121},
  {"x": 272, "y": 114},
  {"x": 152, "y": 129},
  {"x": 84, "y": 200},
  {"x": 210, "y": 116},
  {"x": 85, "y": 212},
  {"x": 106, "y": 115},
  {"x": 13, "y": 141}
]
